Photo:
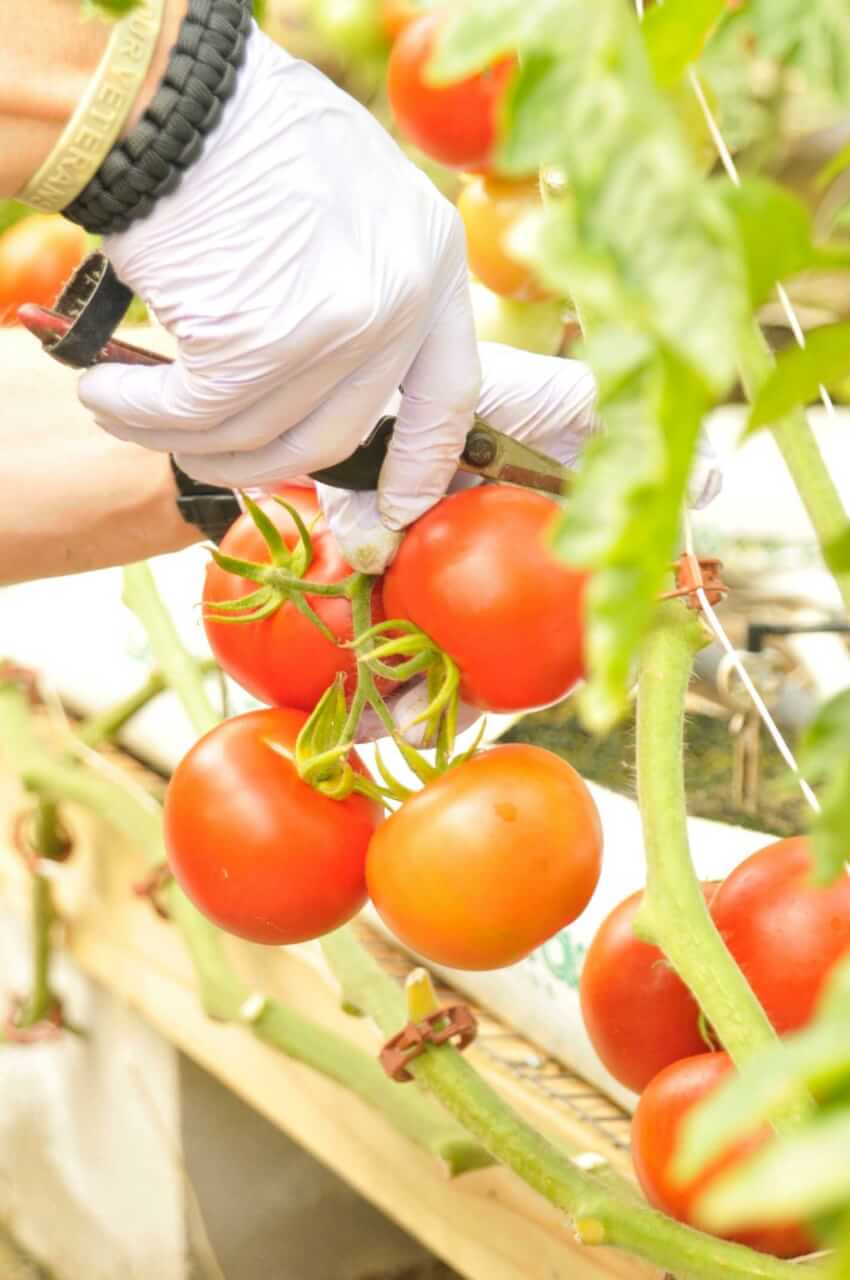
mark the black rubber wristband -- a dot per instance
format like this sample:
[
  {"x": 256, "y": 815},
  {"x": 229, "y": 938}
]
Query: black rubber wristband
[
  {"x": 150, "y": 161},
  {"x": 208, "y": 508}
]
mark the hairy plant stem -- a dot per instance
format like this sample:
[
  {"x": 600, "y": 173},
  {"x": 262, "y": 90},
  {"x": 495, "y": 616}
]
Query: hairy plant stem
[
  {"x": 48, "y": 841},
  {"x": 605, "y": 1211},
  {"x": 106, "y": 726},
  {"x": 673, "y": 913},
  {"x": 178, "y": 667},
  {"x": 223, "y": 996},
  {"x": 802, "y": 455}
]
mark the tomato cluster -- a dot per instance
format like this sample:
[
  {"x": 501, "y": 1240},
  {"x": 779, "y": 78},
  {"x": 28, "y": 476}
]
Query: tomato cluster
[
  {"x": 496, "y": 853},
  {"x": 786, "y": 933}
]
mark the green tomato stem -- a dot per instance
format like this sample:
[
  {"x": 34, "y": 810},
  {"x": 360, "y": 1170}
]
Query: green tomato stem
[
  {"x": 179, "y": 668},
  {"x": 673, "y": 913},
  {"x": 286, "y": 582},
  {"x": 106, "y": 726},
  {"x": 606, "y": 1210},
  {"x": 41, "y": 997},
  {"x": 801, "y": 453},
  {"x": 48, "y": 841}
]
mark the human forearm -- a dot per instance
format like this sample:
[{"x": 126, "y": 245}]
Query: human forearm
[
  {"x": 48, "y": 54},
  {"x": 71, "y": 498}
]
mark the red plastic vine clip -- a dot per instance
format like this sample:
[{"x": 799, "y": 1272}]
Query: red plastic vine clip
[
  {"x": 49, "y": 1027},
  {"x": 693, "y": 575},
  {"x": 454, "y": 1023},
  {"x": 152, "y": 887}
]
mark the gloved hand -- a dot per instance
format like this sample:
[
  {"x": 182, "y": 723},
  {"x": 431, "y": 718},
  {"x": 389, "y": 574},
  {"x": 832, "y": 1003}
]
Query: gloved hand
[
  {"x": 545, "y": 402},
  {"x": 307, "y": 270}
]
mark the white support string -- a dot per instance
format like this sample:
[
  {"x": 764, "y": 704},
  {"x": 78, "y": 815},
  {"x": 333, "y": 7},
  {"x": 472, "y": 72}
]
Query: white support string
[
  {"x": 735, "y": 658},
  {"x": 711, "y": 617},
  {"x": 732, "y": 173}
]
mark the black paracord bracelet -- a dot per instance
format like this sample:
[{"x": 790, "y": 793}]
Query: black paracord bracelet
[{"x": 150, "y": 161}]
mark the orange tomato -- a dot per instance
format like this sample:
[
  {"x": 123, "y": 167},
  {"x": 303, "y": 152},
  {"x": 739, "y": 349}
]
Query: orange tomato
[
  {"x": 37, "y": 255},
  {"x": 491, "y": 208},
  {"x": 456, "y": 124},
  {"x": 489, "y": 860},
  {"x": 665, "y": 1102},
  {"x": 398, "y": 14}
]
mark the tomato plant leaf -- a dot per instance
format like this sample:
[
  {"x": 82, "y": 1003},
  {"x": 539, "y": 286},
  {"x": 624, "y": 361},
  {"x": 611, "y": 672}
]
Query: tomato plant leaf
[
  {"x": 652, "y": 259},
  {"x": 480, "y": 32},
  {"x": 776, "y": 233},
  {"x": 802, "y": 1175},
  {"x": 675, "y": 33},
  {"x": 109, "y": 8},
  {"x": 623, "y": 517},
  {"x": 799, "y": 372},
  {"x": 825, "y": 759},
  {"x": 811, "y": 36},
  {"x": 816, "y": 1059}
]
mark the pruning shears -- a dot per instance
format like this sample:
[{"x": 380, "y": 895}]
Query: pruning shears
[{"x": 79, "y": 332}]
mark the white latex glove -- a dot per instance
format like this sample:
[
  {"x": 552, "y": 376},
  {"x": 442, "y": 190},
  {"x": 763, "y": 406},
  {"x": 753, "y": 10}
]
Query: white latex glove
[
  {"x": 544, "y": 401},
  {"x": 307, "y": 270}
]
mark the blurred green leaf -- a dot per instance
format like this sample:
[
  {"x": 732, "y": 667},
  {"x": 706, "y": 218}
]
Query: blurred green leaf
[
  {"x": 481, "y": 31},
  {"x": 651, "y": 257},
  {"x": 800, "y": 371},
  {"x": 837, "y": 552},
  {"x": 260, "y": 8},
  {"x": 825, "y": 759},
  {"x": 11, "y": 212},
  {"x": 816, "y": 1060},
  {"x": 623, "y": 518},
  {"x": 111, "y": 8},
  {"x": 776, "y": 233},
  {"x": 834, "y": 166},
  {"x": 675, "y": 33},
  {"x": 810, "y": 36},
  {"x": 803, "y": 1175}
]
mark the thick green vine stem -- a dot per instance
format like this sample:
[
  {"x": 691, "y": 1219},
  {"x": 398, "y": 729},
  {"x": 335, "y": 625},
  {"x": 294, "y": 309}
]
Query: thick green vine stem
[
  {"x": 223, "y": 996},
  {"x": 604, "y": 1209},
  {"x": 673, "y": 914},
  {"x": 48, "y": 841},
  {"x": 106, "y": 725},
  {"x": 178, "y": 666},
  {"x": 801, "y": 452}
]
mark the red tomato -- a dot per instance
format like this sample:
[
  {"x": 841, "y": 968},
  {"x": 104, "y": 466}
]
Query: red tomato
[
  {"x": 491, "y": 208},
  {"x": 456, "y": 124},
  {"x": 283, "y": 659},
  {"x": 784, "y": 932},
  {"x": 37, "y": 255},
  {"x": 639, "y": 1014},
  {"x": 475, "y": 574},
  {"x": 655, "y": 1133},
  {"x": 398, "y": 14},
  {"x": 489, "y": 860},
  {"x": 258, "y": 851}
]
